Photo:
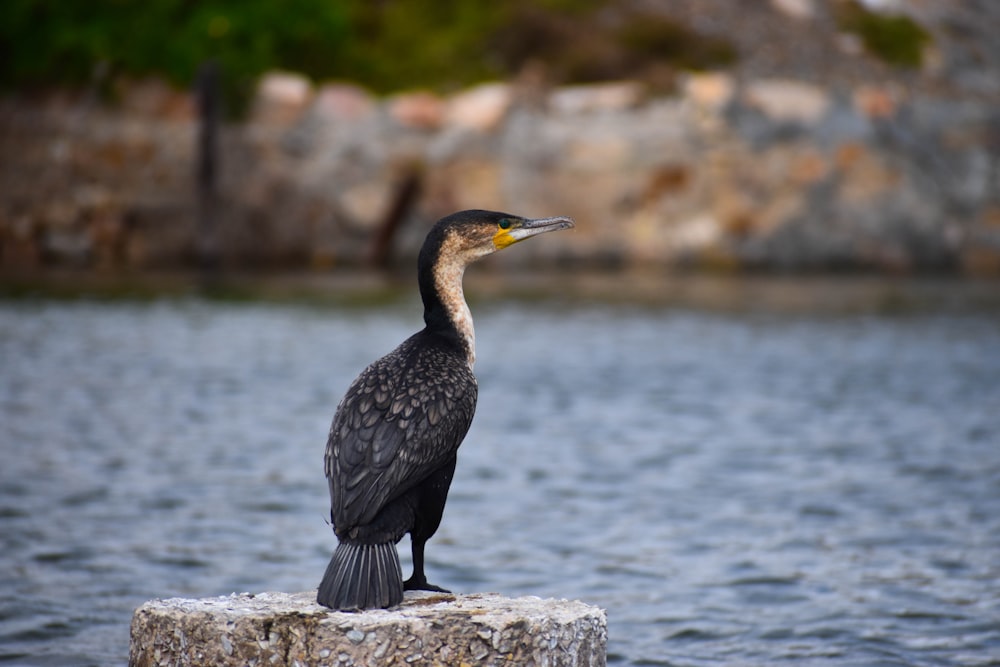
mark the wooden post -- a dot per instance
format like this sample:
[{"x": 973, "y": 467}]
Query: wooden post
[
  {"x": 284, "y": 630},
  {"x": 403, "y": 200},
  {"x": 206, "y": 171}
]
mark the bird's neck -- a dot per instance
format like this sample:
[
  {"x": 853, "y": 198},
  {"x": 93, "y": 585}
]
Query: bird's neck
[{"x": 445, "y": 309}]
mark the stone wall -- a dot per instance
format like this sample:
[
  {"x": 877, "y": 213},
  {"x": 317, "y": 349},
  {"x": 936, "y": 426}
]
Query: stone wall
[{"x": 725, "y": 173}]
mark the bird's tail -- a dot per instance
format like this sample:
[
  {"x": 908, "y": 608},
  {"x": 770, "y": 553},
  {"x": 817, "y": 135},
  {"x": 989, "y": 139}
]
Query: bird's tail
[{"x": 362, "y": 576}]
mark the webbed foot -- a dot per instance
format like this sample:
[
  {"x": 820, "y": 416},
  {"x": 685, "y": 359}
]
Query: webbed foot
[{"x": 415, "y": 584}]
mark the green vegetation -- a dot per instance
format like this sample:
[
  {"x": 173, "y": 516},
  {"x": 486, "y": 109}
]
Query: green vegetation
[
  {"x": 386, "y": 45},
  {"x": 895, "y": 38},
  {"x": 50, "y": 41}
]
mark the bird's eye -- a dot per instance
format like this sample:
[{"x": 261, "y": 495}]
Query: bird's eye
[{"x": 505, "y": 223}]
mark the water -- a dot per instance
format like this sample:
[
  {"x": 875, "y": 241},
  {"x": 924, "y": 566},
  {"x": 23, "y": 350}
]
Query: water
[{"x": 734, "y": 489}]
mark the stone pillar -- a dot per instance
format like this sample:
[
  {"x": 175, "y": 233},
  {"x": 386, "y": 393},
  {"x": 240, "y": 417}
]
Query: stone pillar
[{"x": 286, "y": 630}]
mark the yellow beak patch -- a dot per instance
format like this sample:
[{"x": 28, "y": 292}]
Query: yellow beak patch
[{"x": 502, "y": 239}]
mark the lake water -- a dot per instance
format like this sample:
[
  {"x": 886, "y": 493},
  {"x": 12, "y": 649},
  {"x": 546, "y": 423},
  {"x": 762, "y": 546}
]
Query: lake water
[{"x": 733, "y": 488}]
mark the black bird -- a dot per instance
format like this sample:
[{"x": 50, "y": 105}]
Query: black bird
[{"x": 391, "y": 452}]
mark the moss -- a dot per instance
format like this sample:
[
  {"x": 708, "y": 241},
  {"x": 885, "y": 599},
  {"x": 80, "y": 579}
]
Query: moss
[{"x": 894, "y": 38}]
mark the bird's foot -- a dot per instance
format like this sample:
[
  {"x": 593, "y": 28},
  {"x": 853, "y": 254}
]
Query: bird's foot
[{"x": 415, "y": 584}]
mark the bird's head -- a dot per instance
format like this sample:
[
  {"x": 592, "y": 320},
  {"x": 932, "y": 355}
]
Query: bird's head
[
  {"x": 455, "y": 242},
  {"x": 469, "y": 235}
]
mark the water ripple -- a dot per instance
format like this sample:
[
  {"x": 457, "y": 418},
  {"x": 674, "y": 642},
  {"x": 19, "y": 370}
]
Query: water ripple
[{"x": 733, "y": 489}]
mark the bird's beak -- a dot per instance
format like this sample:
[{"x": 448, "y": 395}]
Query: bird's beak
[
  {"x": 522, "y": 228},
  {"x": 537, "y": 226}
]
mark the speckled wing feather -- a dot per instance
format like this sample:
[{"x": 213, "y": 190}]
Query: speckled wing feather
[{"x": 401, "y": 419}]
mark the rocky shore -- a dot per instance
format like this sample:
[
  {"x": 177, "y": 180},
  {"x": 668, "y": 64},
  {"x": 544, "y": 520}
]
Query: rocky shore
[{"x": 725, "y": 172}]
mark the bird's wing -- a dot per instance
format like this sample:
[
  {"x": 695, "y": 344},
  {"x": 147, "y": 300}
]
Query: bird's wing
[{"x": 402, "y": 418}]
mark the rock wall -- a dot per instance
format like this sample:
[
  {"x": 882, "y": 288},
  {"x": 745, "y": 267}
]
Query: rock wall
[{"x": 725, "y": 173}]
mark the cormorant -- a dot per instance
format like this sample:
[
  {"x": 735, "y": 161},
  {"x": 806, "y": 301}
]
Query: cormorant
[{"x": 391, "y": 452}]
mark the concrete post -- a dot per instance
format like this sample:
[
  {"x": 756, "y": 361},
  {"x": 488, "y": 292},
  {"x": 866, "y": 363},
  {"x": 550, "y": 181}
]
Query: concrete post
[{"x": 291, "y": 630}]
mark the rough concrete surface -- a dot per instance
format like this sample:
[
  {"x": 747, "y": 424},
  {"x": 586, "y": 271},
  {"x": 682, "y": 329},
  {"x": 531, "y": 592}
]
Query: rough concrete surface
[{"x": 275, "y": 629}]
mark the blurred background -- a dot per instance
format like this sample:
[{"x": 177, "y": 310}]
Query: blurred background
[
  {"x": 757, "y": 408},
  {"x": 815, "y": 135}
]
